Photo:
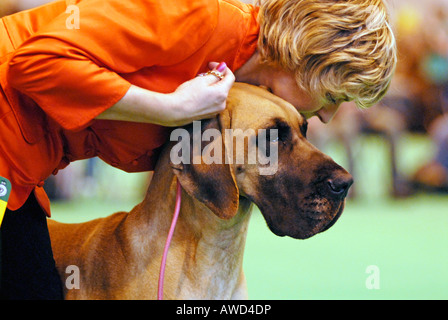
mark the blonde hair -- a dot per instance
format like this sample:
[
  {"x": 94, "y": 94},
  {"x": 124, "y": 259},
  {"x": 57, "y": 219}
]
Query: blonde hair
[{"x": 345, "y": 48}]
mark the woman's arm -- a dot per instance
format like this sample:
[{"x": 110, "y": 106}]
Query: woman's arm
[
  {"x": 199, "y": 98},
  {"x": 74, "y": 74}
]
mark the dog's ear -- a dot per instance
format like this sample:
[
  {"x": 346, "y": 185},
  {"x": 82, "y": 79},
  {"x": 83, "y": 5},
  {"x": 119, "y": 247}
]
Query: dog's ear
[{"x": 204, "y": 172}]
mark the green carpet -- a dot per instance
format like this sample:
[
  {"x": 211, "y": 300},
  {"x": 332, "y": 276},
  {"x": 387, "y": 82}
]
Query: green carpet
[{"x": 405, "y": 240}]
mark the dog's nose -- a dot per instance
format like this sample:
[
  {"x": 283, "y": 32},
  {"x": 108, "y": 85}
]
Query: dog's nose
[{"x": 339, "y": 186}]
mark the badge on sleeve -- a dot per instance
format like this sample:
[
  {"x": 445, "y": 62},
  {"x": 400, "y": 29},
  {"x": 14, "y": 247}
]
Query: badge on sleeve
[{"x": 5, "y": 191}]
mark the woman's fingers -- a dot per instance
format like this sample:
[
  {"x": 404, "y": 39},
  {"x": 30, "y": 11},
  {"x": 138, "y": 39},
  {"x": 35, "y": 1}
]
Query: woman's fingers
[
  {"x": 204, "y": 96},
  {"x": 218, "y": 72},
  {"x": 228, "y": 77}
]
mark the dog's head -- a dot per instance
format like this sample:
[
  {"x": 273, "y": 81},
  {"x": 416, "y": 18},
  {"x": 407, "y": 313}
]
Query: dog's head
[{"x": 257, "y": 149}]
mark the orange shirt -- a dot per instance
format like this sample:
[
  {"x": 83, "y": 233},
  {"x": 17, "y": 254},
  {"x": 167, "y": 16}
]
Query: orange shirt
[{"x": 55, "y": 80}]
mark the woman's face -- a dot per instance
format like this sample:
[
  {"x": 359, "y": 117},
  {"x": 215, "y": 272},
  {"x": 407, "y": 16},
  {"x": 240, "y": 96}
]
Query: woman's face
[{"x": 283, "y": 84}]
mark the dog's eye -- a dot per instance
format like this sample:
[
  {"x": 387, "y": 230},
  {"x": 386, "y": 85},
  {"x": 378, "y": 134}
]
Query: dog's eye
[
  {"x": 272, "y": 135},
  {"x": 279, "y": 132}
]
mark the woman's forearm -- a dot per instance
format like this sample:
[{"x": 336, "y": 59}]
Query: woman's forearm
[
  {"x": 199, "y": 98},
  {"x": 141, "y": 105}
]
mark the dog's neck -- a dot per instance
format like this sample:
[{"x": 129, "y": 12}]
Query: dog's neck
[{"x": 206, "y": 253}]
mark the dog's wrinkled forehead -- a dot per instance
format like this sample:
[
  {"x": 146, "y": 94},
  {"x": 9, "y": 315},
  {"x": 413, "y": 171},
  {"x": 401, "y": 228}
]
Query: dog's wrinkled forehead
[{"x": 254, "y": 107}]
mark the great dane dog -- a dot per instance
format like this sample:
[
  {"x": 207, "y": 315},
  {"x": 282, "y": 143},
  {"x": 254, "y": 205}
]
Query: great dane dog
[{"x": 119, "y": 256}]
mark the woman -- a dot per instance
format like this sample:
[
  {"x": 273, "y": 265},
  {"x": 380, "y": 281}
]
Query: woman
[{"x": 136, "y": 62}]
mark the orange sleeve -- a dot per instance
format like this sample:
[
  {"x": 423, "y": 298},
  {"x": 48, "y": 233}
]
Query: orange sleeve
[{"x": 74, "y": 74}]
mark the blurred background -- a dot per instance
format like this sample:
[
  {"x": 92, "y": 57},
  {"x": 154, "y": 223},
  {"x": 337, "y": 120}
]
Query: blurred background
[{"x": 396, "y": 217}]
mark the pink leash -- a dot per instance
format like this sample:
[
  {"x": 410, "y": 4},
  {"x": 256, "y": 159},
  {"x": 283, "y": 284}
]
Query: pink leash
[{"x": 168, "y": 241}]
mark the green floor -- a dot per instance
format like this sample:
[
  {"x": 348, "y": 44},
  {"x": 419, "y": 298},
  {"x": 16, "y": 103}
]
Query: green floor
[{"x": 404, "y": 241}]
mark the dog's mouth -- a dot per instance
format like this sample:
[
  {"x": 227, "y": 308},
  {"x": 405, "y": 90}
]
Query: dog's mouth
[
  {"x": 303, "y": 226},
  {"x": 335, "y": 218}
]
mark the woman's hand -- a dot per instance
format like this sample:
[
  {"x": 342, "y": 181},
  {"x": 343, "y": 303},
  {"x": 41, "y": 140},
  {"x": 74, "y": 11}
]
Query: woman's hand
[{"x": 200, "y": 98}]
